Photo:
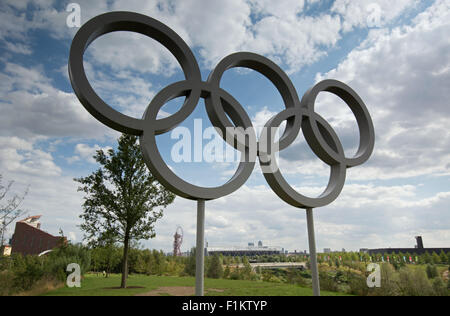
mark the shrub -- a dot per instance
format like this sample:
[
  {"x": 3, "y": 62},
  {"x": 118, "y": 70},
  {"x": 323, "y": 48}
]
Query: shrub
[
  {"x": 432, "y": 271},
  {"x": 189, "y": 268},
  {"x": 358, "y": 285},
  {"x": 57, "y": 261},
  {"x": 7, "y": 283},
  {"x": 293, "y": 276},
  {"x": 414, "y": 282},
  {"x": 28, "y": 273},
  {"x": 327, "y": 282},
  {"x": 215, "y": 269},
  {"x": 439, "y": 287},
  {"x": 226, "y": 272},
  {"x": 389, "y": 282}
]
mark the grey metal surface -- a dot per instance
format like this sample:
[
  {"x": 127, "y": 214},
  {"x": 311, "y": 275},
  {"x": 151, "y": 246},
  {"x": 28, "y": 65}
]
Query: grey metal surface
[
  {"x": 200, "y": 249},
  {"x": 312, "y": 252},
  {"x": 224, "y": 111}
]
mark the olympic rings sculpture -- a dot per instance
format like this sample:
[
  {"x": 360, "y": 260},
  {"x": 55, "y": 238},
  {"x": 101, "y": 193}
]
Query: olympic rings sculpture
[{"x": 224, "y": 112}]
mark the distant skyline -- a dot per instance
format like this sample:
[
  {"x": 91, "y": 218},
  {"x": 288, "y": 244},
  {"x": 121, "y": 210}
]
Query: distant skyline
[{"x": 394, "y": 54}]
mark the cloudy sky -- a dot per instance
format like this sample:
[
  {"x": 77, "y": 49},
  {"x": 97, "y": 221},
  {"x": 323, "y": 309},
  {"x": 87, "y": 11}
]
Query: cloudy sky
[{"x": 395, "y": 54}]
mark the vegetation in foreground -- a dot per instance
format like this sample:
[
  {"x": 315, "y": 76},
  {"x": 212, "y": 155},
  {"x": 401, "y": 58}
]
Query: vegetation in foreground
[
  {"x": 97, "y": 285},
  {"x": 32, "y": 275}
]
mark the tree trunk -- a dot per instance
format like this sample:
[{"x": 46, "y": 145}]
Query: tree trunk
[{"x": 125, "y": 261}]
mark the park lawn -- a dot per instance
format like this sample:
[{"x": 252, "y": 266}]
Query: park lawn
[{"x": 93, "y": 285}]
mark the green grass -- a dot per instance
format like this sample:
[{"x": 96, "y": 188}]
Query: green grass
[{"x": 93, "y": 285}]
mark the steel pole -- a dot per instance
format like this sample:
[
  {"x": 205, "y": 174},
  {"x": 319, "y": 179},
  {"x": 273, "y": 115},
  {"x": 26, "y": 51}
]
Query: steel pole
[
  {"x": 200, "y": 251},
  {"x": 312, "y": 252}
]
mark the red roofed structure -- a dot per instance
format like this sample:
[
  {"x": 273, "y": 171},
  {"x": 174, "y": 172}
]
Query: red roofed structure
[{"x": 29, "y": 239}]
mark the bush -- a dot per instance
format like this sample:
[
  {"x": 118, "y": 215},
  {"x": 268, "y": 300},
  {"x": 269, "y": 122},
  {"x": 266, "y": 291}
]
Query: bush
[
  {"x": 57, "y": 261},
  {"x": 7, "y": 283},
  {"x": 215, "y": 269},
  {"x": 27, "y": 272},
  {"x": 235, "y": 274},
  {"x": 270, "y": 277},
  {"x": 293, "y": 276},
  {"x": 358, "y": 285},
  {"x": 389, "y": 282},
  {"x": 439, "y": 287},
  {"x": 226, "y": 272},
  {"x": 414, "y": 282},
  {"x": 327, "y": 282},
  {"x": 189, "y": 268},
  {"x": 432, "y": 271}
]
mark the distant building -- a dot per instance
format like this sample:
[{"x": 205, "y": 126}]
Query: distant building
[
  {"x": 419, "y": 242},
  {"x": 260, "y": 244},
  {"x": 5, "y": 251},
  {"x": 326, "y": 250},
  {"x": 251, "y": 244},
  {"x": 29, "y": 239},
  {"x": 418, "y": 249},
  {"x": 244, "y": 251}
]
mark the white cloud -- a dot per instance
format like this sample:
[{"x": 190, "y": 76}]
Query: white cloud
[
  {"x": 85, "y": 153},
  {"x": 363, "y": 216},
  {"x": 21, "y": 156},
  {"x": 370, "y": 13},
  {"x": 35, "y": 108},
  {"x": 403, "y": 77}
]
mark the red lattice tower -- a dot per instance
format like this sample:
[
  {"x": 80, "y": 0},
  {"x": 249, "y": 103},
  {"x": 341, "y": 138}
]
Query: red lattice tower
[{"x": 178, "y": 240}]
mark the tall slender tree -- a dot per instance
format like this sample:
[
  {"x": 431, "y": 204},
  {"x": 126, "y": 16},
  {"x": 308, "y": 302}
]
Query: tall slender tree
[
  {"x": 122, "y": 198},
  {"x": 9, "y": 207}
]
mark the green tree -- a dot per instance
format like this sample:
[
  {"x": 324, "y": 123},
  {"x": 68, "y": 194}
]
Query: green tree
[
  {"x": 105, "y": 254},
  {"x": 215, "y": 269},
  {"x": 189, "y": 268},
  {"x": 443, "y": 257},
  {"x": 247, "y": 271},
  {"x": 439, "y": 287},
  {"x": 427, "y": 258},
  {"x": 436, "y": 258},
  {"x": 227, "y": 272},
  {"x": 122, "y": 198},
  {"x": 432, "y": 271},
  {"x": 414, "y": 282}
]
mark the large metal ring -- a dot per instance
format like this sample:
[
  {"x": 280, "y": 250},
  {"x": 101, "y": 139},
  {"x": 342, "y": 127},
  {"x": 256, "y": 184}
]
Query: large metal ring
[{"x": 225, "y": 113}]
